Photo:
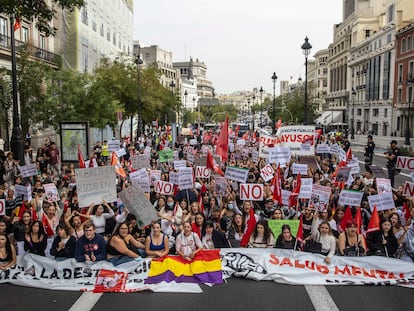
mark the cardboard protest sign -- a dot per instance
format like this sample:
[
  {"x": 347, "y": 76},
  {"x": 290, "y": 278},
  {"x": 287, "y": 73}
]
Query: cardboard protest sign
[
  {"x": 51, "y": 192},
  {"x": 28, "y": 170},
  {"x": 164, "y": 187},
  {"x": 220, "y": 186},
  {"x": 300, "y": 168},
  {"x": 349, "y": 197},
  {"x": 140, "y": 161},
  {"x": 383, "y": 201},
  {"x": 310, "y": 161},
  {"x": 113, "y": 145},
  {"x": 267, "y": 172},
  {"x": 279, "y": 155},
  {"x": 306, "y": 188},
  {"x": 95, "y": 184},
  {"x": 253, "y": 192},
  {"x": 236, "y": 174},
  {"x": 23, "y": 191},
  {"x": 173, "y": 177},
  {"x": 202, "y": 172},
  {"x": 138, "y": 204},
  {"x": 320, "y": 197},
  {"x": 276, "y": 226}
]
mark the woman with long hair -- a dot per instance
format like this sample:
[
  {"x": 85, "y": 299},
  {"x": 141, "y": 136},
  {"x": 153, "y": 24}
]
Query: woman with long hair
[
  {"x": 36, "y": 240},
  {"x": 323, "y": 234},
  {"x": 237, "y": 230},
  {"x": 262, "y": 236},
  {"x": 286, "y": 240},
  {"x": 382, "y": 242},
  {"x": 7, "y": 253},
  {"x": 350, "y": 243},
  {"x": 20, "y": 229},
  {"x": 156, "y": 244}
]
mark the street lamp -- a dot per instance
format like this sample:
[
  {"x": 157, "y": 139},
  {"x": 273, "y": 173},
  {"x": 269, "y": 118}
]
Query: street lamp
[
  {"x": 306, "y": 47},
  {"x": 410, "y": 95},
  {"x": 17, "y": 143},
  {"x": 353, "y": 114},
  {"x": 139, "y": 62},
  {"x": 261, "y": 106},
  {"x": 274, "y": 78}
]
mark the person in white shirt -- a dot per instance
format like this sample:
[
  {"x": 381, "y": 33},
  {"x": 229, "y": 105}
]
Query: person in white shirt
[{"x": 323, "y": 234}]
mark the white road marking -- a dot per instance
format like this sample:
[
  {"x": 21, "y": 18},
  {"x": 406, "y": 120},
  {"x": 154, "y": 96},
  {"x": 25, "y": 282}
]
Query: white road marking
[
  {"x": 320, "y": 298},
  {"x": 403, "y": 174},
  {"x": 85, "y": 302}
]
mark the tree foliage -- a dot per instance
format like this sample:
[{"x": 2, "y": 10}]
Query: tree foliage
[{"x": 39, "y": 10}]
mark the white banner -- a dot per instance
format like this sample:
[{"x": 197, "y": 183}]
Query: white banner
[
  {"x": 265, "y": 141},
  {"x": 352, "y": 198},
  {"x": 28, "y": 170},
  {"x": 300, "y": 268},
  {"x": 300, "y": 168},
  {"x": 95, "y": 185},
  {"x": 164, "y": 187},
  {"x": 267, "y": 172},
  {"x": 253, "y": 192},
  {"x": 236, "y": 174},
  {"x": 299, "y": 138}
]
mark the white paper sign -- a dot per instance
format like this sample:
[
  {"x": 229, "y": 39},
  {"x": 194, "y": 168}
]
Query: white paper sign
[
  {"x": 51, "y": 192},
  {"x": 322, "y": 148},
  {"x": 285, "y": 196},
  {"x": 2, "y": 207},
  {"x": 383, "y": 185},
  {"x": 355, "y": 169},
  {"x": 305, "y": 188},
  {"x": 279, "y": 155},
  {"x": 121, "y": 152},
  {"x": 173, "y": 177},
  {"x": 179, "y": 164},
  {"x": 28, "y": 170},
  {"x": 154, "y": 176},
  {"x": 300, "y": 168},
  {"x": 140, "y": 161},
  {"x": 236, "y": 174},
  {"x": 185, "y": 181},
  {"x": 383, "y": 201},
  {"x": 352, "y": 198},
  {"x": 267, "y": 172},
  {"x": 95, "y": 185},
  {"x": 113, "y": 145},
  {"x": 253, "y": 192},
  {"x": 202, "y": 172},
  {"x": 26, "y": 192},
  {"x": 164, "y": 187},
  {"x": 334, "y": 149}
]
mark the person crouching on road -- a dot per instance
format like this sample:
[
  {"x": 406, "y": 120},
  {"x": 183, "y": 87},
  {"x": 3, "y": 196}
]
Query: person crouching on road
[{"x": 90, "y": 247}]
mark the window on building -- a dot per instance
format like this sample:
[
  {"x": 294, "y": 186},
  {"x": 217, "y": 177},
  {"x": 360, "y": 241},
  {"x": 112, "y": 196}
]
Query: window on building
[
  {"x": 408, "y": 43},
  {"x": 389, "y": 38},
  {"x": 400, "y": 73},
  {"x": 359, "y": 111},
  {"x": 3, "y": 30},
  {"x": 390, "y": 15},
  {"x": 25, "y": 34},
  {"x": 84, "y": 13},
  {"x": 101, "y": 28},
  {"x": 410, "y": 94},
  {"x": 410, "y": 70},
  {"x": 325, "y": 71},
  {"x": 325, "y": 82},
  {"x": 108, "y": 34},
  {"x": 85, "y": 54},
  {"x": 93, "y": 20},
  {"x": 375, "y": 128},
  {"x": 367, "y": 33},
  {"x": 385, "y": 113},
  {"x": 114, "y": 38},
  {"x": 402, "y": 46},
  {"x": 399, "y": 95},
  {"x": 375, "y": 112}
]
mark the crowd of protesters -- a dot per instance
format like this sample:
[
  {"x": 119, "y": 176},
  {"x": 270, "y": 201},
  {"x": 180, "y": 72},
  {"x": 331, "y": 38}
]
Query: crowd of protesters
[{"x": 204, "y": 217}]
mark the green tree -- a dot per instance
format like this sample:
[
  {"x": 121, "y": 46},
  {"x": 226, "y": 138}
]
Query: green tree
[{"x": 40, "y": 10}]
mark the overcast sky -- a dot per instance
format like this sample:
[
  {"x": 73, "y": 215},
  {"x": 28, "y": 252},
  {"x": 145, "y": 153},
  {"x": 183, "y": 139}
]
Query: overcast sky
[{"x": 242, "y": 42}]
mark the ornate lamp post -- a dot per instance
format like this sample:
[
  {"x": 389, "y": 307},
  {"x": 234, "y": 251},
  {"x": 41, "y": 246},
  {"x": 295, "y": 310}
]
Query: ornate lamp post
[
  {"x": 306, "y": 47},
  {"x": 274, "y": 78}
]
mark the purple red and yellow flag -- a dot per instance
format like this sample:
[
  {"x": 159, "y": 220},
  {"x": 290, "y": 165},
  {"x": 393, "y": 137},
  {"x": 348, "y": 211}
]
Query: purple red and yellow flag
[{"x": 205, "y": 268}]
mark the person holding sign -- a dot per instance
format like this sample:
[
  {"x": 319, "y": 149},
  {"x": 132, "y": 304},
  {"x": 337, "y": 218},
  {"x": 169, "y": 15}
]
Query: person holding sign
[
  {"x": 286, "y": 240},
  {"x": 351, "y": 244},
  {"x": 382, "y": 242},
  {"x": 323, "y": 235},
  {"x": 7, "y": 253},
  {"x": 99, "y": 215}
]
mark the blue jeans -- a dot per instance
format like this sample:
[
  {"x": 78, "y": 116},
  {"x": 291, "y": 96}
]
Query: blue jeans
[{"x": 118, "y": 260}]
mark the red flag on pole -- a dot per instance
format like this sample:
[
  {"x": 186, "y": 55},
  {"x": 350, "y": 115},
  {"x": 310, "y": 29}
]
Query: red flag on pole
[
  {"x": 349, "y": 154},
  {"x": 406, "y": 211},
  {"x": 346, "y": 219},
  {"x": 46, "y": 226},
  {"x": 222, "y": 147},
  {"x": 81, "y": 160},
  {"x": 17, "y": 24},
  {"x": 299, "y": 235},
  {"x": 251, "y": 224},
  {"x": 294, "y": 196},
  {"x": 374, "y": 222},
  {"x": 358, "y": 220},
  {"x": 211, "y": 164},
  {"x": 118, "y": 168},
  {"x": 277, "y": 190}
]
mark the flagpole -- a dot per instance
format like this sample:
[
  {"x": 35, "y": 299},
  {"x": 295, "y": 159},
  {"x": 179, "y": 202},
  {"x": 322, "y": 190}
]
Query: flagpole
[{"x": 17, "y": 143}]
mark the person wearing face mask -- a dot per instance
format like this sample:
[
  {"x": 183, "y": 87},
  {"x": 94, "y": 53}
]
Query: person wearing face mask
[{"x": 171, "y": 216}]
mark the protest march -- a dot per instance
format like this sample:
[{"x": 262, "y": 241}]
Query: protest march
[{"x": 293, "y": 206}]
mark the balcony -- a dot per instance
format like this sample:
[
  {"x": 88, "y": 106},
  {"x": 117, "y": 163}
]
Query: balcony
[{"x": 35, "y": 52}]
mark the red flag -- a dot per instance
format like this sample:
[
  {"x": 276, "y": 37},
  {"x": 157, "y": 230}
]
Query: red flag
[
  {"x": 294, "y": 196},
  {"x": 80, "y": 158},
  {"x": 318, "y": 133},
  {"x": 200, "y": 202},
  {"x": 406, "y": 211},
  {"x": 299, "y": 235},
  {"x": 374, "y": 222},
  {"x": 358, "y": 220},
  {"x": 236, "y": 131},
  {"x": 349, "y": 154},
  {"x": 48, "y": 229},
  {"x": 118, "y": 168},
  {"x": 346, "y": 219},
  {"x": 91, "y": 163},
  {"x": 246, "y": 136},
  {"x": 251, "y": 224},
  {"x": 203, "y": 188},
  {"x": 17, "y": 24},
  {"x": 254, "y": 137},
  {"x": 222, "y": 147},
  {"x": 277, "y": 191},
  {"x": 211, "y": 164}
]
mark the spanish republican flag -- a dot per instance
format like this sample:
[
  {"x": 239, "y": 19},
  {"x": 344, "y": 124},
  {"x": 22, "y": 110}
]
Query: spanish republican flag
[{"x": 205, "y": 268}]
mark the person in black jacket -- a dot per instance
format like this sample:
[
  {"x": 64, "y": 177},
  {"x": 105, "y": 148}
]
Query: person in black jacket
[
  {"x": 212, "y": 238},
  {"x": 382, "y": 242},
  {"x": 369, "y": 153},
  {"x": 63, "y": 245}
]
